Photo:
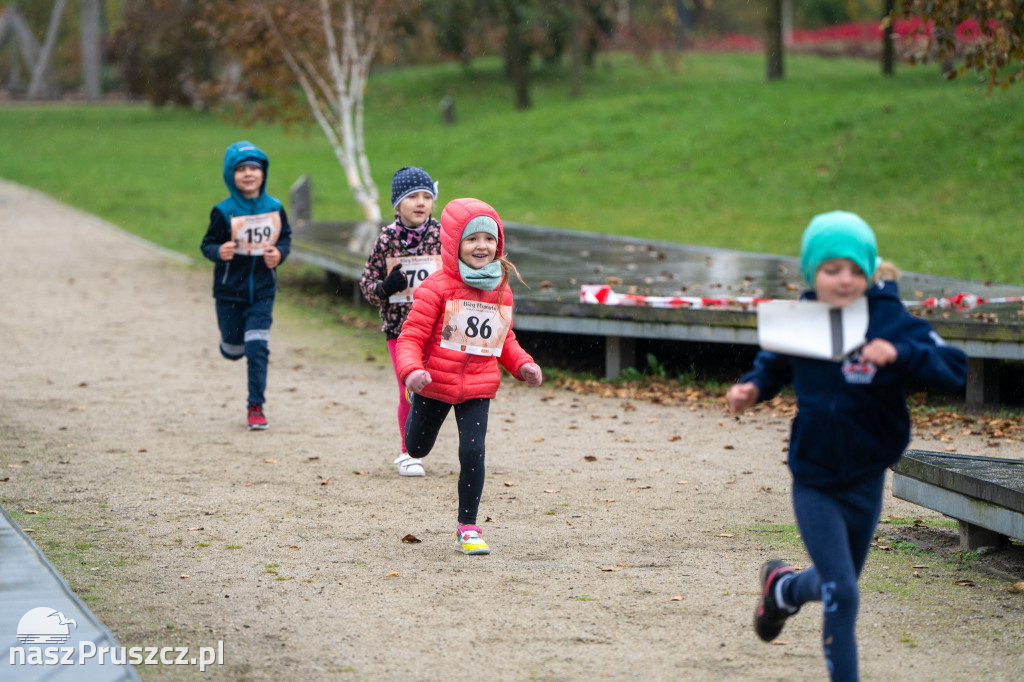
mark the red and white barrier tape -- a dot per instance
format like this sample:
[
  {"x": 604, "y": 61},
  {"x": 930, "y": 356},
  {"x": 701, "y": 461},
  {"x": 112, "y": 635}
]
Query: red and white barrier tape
[{"x": 604, "y": 295}]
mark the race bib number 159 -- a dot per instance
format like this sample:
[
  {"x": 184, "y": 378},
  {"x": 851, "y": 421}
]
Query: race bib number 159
[
  {"x": 475, "y": 327},
  {"x": 253, "y": 233}
]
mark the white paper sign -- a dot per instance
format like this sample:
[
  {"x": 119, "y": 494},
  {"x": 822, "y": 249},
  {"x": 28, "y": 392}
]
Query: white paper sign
[{"x": 812, "y": 329}]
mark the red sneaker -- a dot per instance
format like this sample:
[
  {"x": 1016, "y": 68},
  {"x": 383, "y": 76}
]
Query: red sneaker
[{"x": 257, "y": 422}]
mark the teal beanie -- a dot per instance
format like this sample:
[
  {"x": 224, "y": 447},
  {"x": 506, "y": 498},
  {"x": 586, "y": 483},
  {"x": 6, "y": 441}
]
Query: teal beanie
[
  {"x": 481, "y": 223},
  {"x": 837, "y": 234}
]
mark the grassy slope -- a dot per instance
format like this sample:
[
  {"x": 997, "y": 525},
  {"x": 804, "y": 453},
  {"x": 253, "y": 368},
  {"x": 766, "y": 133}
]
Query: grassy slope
[{"x": 707, "y": 153}]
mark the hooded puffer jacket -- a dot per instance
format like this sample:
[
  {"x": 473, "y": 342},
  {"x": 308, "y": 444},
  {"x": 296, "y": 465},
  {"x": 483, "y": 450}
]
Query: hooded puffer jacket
[{"x": 455, "y": 376}]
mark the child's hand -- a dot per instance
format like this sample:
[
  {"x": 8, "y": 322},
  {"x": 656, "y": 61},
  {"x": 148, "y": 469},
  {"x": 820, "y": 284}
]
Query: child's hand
[
  {"x": 417, "y": 380},
  {"x": 395, "y": 281},
  {"x": 879, "y": 353},
  {"x": 531, "y": 374},
  {"x": 742, "y": 396},
  {"x": 271, "y": 256},
  {"x": 226, "y": 251}
]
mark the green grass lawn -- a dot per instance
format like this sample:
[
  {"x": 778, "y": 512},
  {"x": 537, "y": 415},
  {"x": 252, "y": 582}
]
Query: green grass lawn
[{"x": 705, "y": 152}]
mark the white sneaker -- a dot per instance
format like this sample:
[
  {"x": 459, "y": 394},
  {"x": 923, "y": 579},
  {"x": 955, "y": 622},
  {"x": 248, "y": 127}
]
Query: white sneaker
[{"x": 409, "y": 466}]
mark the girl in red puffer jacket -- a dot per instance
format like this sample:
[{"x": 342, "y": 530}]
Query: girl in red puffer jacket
[{"x": 459, "y": 329}]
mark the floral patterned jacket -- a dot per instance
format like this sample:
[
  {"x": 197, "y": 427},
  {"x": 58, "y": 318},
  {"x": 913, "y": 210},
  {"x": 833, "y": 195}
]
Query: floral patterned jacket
[{"x": 389, "y": 245}]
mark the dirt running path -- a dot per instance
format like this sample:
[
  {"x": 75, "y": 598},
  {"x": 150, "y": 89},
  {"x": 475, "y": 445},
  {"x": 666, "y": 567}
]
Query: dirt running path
[{"x": 122, "y": 425}]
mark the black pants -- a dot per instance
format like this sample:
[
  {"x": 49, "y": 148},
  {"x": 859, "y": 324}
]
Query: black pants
[{"x": 421, "y": 430}]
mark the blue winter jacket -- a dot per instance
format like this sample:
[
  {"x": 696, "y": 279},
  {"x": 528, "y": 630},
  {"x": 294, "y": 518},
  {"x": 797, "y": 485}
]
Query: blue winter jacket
[
  {"x": 852, "y": 419},
  {"x": 243, "y": 278}
]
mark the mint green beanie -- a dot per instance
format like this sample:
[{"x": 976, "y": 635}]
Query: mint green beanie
[{"x": 837, "y": 234}]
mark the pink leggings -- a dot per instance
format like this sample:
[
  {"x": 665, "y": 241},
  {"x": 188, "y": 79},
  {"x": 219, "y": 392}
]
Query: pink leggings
[{"x": 403, "y": 404}]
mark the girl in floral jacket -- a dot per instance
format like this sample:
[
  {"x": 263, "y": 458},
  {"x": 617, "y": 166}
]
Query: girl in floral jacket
[
  {"x": 459, "y": 329},
  {"x": 405, "y": 253}
]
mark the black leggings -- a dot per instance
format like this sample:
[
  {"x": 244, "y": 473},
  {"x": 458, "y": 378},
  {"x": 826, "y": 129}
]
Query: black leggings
[{"x": 421, "y": 430}]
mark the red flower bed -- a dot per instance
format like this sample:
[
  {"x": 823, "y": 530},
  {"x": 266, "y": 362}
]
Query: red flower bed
[{"x": 863, "y": 37}]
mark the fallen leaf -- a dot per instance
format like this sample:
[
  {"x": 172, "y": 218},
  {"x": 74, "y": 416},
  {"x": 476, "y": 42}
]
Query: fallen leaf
[
  {"x": 31, "y": 511},
  {"x": 1016, "y": 587},
  {"x": 509, "y": 484},
  {"x": 142, "y": 449},
  {"x": 197, "y": 528},
  {"x": 293, "y": 546},
  {"x": 673, "y": 439},
  {"x": 552, "y": 491},
  {"x": 965, "y": 582},
  {"x": 681, "y": 482},
  {"x": 726, "y": 535},
  {"x": 29, "y": 530},
  {"x": 269, "y": 460},
  {"x": 313, "y": 457},
  {"x": 411, "y": 539},
  {"x": 728, "y": 447},
  {"x": 678, "y": 597},
  {"x": 590, "y": 458},
  {"x": 538, "y": 439},
  {"x": 184, "y": 575},
  {"x": 392, "y": 574},
  {"x": 609, "y": 569}
]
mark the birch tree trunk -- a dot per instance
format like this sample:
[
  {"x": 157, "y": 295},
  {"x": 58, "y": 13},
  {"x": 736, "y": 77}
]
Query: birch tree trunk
[
  {"x": 42, "y": 82},
  {"x": 334, "y": 84}
]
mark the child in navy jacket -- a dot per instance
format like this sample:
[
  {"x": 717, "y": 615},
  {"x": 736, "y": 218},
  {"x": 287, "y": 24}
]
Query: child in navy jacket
[
  {"x": 852, "y": 423},
  {"x": 247, "y": 239}
]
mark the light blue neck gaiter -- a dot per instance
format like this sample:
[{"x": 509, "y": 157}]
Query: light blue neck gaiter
[{"x": 488, "y": 277}]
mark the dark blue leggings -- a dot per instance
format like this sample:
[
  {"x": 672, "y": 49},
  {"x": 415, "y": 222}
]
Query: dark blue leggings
[
  {"x": 837, "y": 528},
  {"x": 245, "y": 332},
  {"x": 421, "y": 430}
]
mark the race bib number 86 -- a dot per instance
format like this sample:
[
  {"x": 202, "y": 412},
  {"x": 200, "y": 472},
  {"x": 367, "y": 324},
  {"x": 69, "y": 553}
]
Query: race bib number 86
[
  {"x": 475, "y": 327},
  {"x": 253, "y": 233}
]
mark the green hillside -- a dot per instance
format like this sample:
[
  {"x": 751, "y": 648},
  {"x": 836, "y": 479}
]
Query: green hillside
[{"x": 706, "y": 152}]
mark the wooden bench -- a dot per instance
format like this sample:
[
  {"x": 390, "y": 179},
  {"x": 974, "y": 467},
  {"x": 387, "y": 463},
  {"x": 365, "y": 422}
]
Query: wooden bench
[
  {"x": 985, "y": 494},
  {"x": 555, "y": 262}
]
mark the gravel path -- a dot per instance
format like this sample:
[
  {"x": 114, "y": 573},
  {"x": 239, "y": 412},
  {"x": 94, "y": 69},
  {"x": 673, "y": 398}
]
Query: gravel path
[{"x": 625, "y": 537}]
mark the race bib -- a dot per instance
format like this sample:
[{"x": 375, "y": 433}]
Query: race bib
[
  {"x": 416, "y": 269},
  {"x": 253, "y": 233},
  {"x": 475, "y": 327}
]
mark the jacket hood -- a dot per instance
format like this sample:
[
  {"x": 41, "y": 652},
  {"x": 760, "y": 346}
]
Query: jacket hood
[
  {"x": 454, "y": 218},
  {"x": 237, "y": 204}
]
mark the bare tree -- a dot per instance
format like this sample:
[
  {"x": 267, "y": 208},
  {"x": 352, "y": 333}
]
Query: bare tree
[
  {"x": 326, "y": 49},
  {"x": 42, "y": 83}
]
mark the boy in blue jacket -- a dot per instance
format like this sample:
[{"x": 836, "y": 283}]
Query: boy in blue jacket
[
  {"x": 247, "y": 239},
  {"x": 852, "y": 423}
]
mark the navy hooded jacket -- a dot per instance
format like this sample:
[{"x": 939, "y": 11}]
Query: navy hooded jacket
[
  {"x": 852, "y": 419},
  {"x": 243, "y": 278}
]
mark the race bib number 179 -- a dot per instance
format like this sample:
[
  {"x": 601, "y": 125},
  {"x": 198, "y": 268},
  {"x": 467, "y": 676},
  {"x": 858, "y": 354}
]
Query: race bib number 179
[
  {"x": 416, "y": 269},
  {"x": 475, "y": 327}
]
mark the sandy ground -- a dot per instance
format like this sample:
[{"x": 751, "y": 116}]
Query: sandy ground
[{"x": 625, "y": 537}]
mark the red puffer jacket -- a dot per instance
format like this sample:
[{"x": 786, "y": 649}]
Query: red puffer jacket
[{"x": 456, "y": 376}]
